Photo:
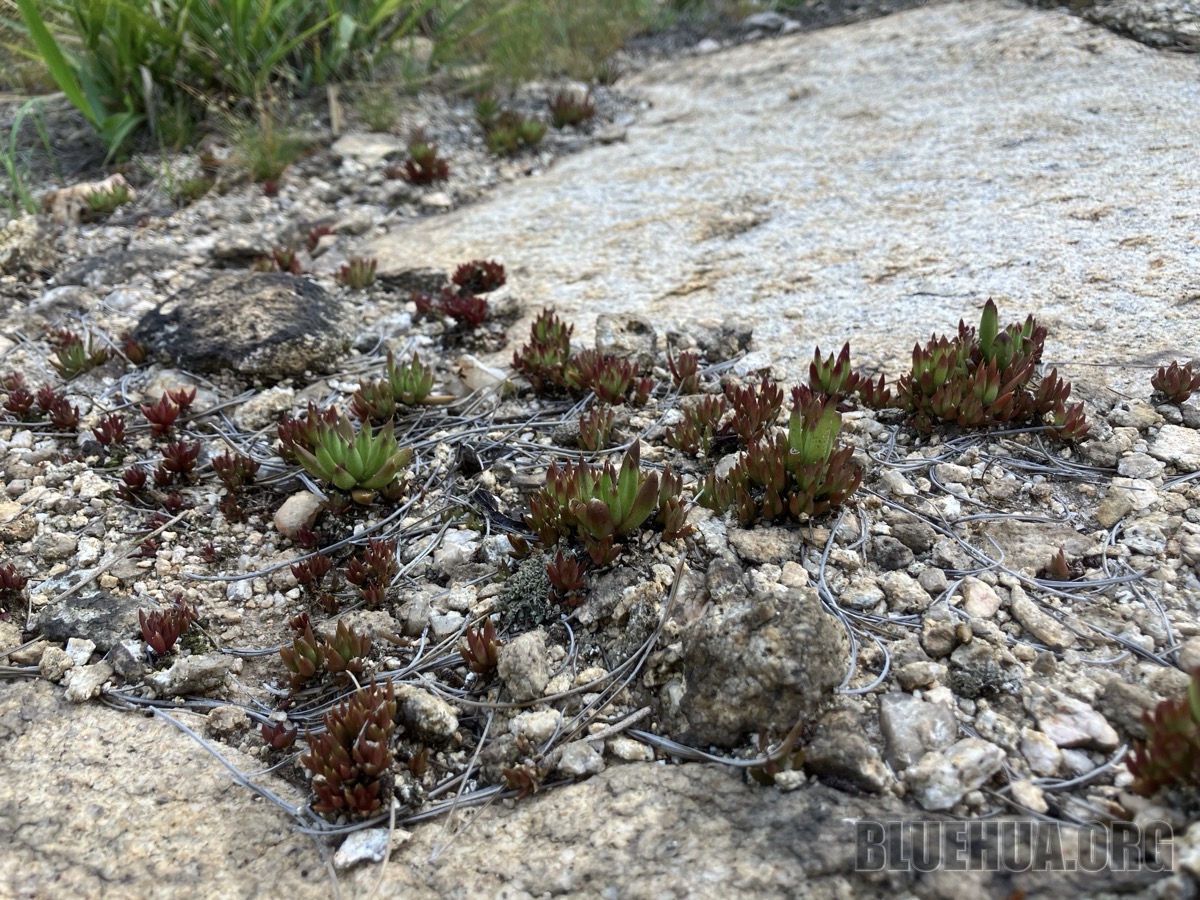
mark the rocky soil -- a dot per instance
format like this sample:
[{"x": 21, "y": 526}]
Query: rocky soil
[{"x": 874, "y": 183}]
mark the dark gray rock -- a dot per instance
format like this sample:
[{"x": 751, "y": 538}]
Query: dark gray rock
[
  {"x": 259, "y": 324},
  {"x": 96, "y": 615},
  {"x": 890, "y": 553},
  {"x": 840, "y": 749},
  {"x": 760, "y": 662},
  {"x": 117, "y": 267}
]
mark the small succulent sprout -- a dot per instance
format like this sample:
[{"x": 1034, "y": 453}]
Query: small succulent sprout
[
  {"x": 525, "y": 779},
  {"x": 48, "y": 397},
  {"x": 411, "y": 383},
  {"x": 278, "y": 735},
  {"x": 786, "y": 758},
  {"x": 348, "y": 651},
  {"x": 235, "y": 470},
  {"x": 75, "y": 356},
  {"x": 595, "y": 427},
  {"x": 189, "y": 190},
  {"x": 361, "y": 462},
  {"x": 12, "y": 381},
  {"x": 19, "y": 403},
  {"x": 309, "y": 573},
  {"x": 161, "y": 416},
  {"x": 133, "y": 482},
  {"x": 1175, "y": 383},
  {"x": 179, "y": 458},
  {"x": 479, "y": 276},
  {"x": 313, "y": 238},
  {"x": 1169, "y": 757},
  {"x": 875, "y": 394},
  {"x": 162, "y": 628},
  {"x": 568, "y": 578},
  {"x": 372, "y": 573},
  {"x": 423, "y": 165},
  {"x": 12, "y": 582},
  {"x": 1069, "y": 423},
  {"x": 672, "y": 509},
  {"x": 358, "y": 273},
  {"x": 132, "y": 349},
  {"x": 287, "y": 260},
  {"x": 701, "y": 422},
  {"x": 480, "y": 648},
  {"x": 544, "y": 358},
  {"x": 755, "y": 409},
  {"x": 531, "y": 132},
  {"x": 373, "y": 402},
  {"x": 487, "y": 110},
  {"x": 833, "y": 378},
  {"x": 303, "y": 431},
  {"x": 685, "y": 371},
  {"x": 110, "y": 432},
  {"x": 567, "y": 109},
  {"x": 350, "y": 760},
  {"x": 305, "y": 658},
  {"x": 643, "y": 389},
  {"x": 1058, "y": 568},
  {"x": 63, "y": 415}
]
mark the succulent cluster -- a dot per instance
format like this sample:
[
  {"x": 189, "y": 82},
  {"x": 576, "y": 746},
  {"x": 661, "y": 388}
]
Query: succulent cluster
[
  {"x": 358, "y": 272},
  {"x": 161, "y": 415},
  {"x": 363, "y": 463},
  {"x": 462, "y": 306},
  {"x": 799, "y": 476},
  {"x": 423, "y": 165},
  {"x": 568, "y": 578},
  {"x": 1170, "y": 755},
  {"x": 479, "y": 276},
  {"x": 309, "y": 656},
  {"x": 350, "y": 759},
  {"x": 597, "y": 505},
  {"x": 1175, "y": 383},
  {"x": 178, "y": 463},
  {"x": 480, "y": 648},
  {"x": 506, "y": 131},
  {"x": 373, "y": 571},
  {"x": 547, "y": 362},
  {"x": 595, "y": 426},
  {"x": 567, "y": 109},
  {"x": 282, "y": 259},
  {"x": 12, "y": 583},
  {"x": 685, "y": 371},
  {"x": 107, "y": 200},
  {"x": 985, "y": 377},
  {"x": 162, "y": 628},
  {"x": 74, "y": 355},
  {"x": 700, "y": 427}
]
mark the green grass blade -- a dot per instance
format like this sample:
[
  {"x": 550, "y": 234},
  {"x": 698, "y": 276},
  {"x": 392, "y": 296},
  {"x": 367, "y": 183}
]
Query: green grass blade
[{"x": 62, "y": 72}]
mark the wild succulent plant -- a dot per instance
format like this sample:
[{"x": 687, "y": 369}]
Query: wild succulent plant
[
  {"x": 373, "y": 402},
  {"x": 411, "y": 383},
  {"x": 305, "y": 658},
  {"x": 984, "y": 377},
  {"x": 19, "y": 400},
  {"x": 543, "y": 360},
  {"x": 598, "y": 505},
  {"x": 423, "y": 165},
  {"x": 833, "y": 378},
  {"x": 568, "y": 578},
  {"x": 133, "y": 350},
  {"x": 110, "y": 431},
  {"x": 595, "y": 425},
  {"x": 464, "y": 307},
  {"x": 358, "y": 273},
  {"x": 63, "y": 415},
  {"x": 161, "y": 415},
  {"x": 12, "y": 583},
  {"x": 133, "y": 483},
  {"x": 1175, "y": 383},
  {"x": 480, "y": 648},
  {"x": 304, "y": 431},
  {"x": 309, "y": 573},
  {"x": 346, "y": 653},
  {"x": 234, "y": 470},
  {"x": 162, "y": 628},
  {"x": 700, "y": 425},
  {"x": 685, "y": 370},
  {"x": 508, "y": 131},
  {"x": 799, "y": 476},
  {"x": 567, "y": 109},
  {"x": 1170, "y": 755},
  {"x": 178, "y": 463},
  {"x": 608, "y": 377},
  {"x": 107, "y": 200},
  {"x": 314, "y": 235},
  {"x": 755, "y": 409},
  {"x": 351, "y": 758},
  {"x": 479, "y": 276},
  {"x": 362, "y": 463},
  {"x": 373, "y": 570},
  {"x": 278, "y": 735},
  {"x": 74, "y": 355}
]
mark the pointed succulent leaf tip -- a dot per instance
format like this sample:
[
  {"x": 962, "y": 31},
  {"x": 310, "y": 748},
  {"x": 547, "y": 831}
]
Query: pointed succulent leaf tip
[{"x": 989, "y": 325}]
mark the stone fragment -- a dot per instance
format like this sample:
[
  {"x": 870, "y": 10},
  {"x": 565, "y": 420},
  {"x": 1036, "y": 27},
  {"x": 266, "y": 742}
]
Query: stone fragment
[
  {"x": 627, "y": 336},
  {"x": 979, "y": 598},
  {"x": 270, "y": 325},
  {"x": 942, "y": 777},
  {"x": 939, "y": 634},
  {"x": 580, "y": 758},
  {"x": 904, "y": 593},
  {"x": 80, "y": 650},
  {"x": 55, "y": 663},
  {"x": 1178, "y": 446},
  {"x": 224, "y": 721},
  {"x": 84, "y": 682},
  {"x": 538, "y": 725},
  {"x": 193, "y": 675},
  {"x": 128, "y": 659},
  {"x": 367, "y": 845},
  {"x": 1029, "y": 795},
  {"x": 524, "y": 667},
  {"x": 1041, "y": 625},
  {"x": 429, "y": 717},
  {"x": 1139, "y": 465},
  {"x": 911, "y": 728},
  {"x": 300, "y": 510},
  {"x": 765, "y": 544},
  {"x": 841, "y": 749},
  {"x": 890, "y": 554},
  {"x": 761, "y": 661},
  {"x": 90, "y": 613},
  {"x": 919, "y": 674},
  {"x": 1072, "y": 723}
]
